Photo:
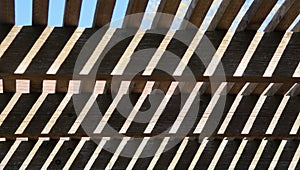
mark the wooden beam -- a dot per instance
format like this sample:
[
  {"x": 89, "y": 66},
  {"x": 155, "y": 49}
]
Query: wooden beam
[
  {"x": 165, "y": 7},
  {"x": 72, "y": 12},
  {"x": 199, "y": 12},
  {"x": 58, "y": 40},
  {"x": 7, "y": 12},
  {"x": 279, "y": 15},
  {"x": 230, "y": 60},
  {"x": 40, "y": 12},
  {"x": 220, "y": 12},
  {"x": 188, "y": 14},
  {"x": 271, "y": 112},
  {"x": 135, "y": 6},
  {"x": 249, "y": 15},
  {"x": 236, "y": 153},
  {"x": 261, "y": 13},
  {"x": 289, "y": 17},
  {"x": 229, "y": 14},
  {"x": 103, "y": 12}
]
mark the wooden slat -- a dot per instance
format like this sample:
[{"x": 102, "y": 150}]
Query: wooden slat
[
  {"x": 65, "y": 117},
  {"x": 193, "y": 156},
  {"x": 103, "y": 12},
  {"x": 231, "y": 60},
  {"x": 199, "y": 12},
  {"x": 229, "y": 14},
  {"x": 219, "y": 14},
  {"x": 249, "y": 15},
  {"x": 40, "y": 12},
  {"x": 289, "y": 17},
  {"x": 195, "y": 14},
  {"x": 261, "y": 13},
  {"x": 72, "y": 12},
  {"x": 168, "y": 7},
  {"x": 135, "y": 6},
  {"x": 7, "y": 12},
  {"x": 279, "y": 15},
  {"x": 188, "y": 14}
]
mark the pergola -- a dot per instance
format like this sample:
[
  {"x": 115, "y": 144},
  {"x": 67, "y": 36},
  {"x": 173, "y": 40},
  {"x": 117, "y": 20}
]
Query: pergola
[{"x": 257, "y": 42}]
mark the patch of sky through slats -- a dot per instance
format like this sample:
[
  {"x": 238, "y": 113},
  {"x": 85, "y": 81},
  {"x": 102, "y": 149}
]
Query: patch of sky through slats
[
  {"x": 23, "y": 12},
  {"x": 149, "y": 14},
  {"x": 119, "y": 13},
  {"x": 87, "y": 13},
  {"x": 56, "y": 12},
  {"x": 270, "y": 16},
  {"x": 182, "y": 9}
]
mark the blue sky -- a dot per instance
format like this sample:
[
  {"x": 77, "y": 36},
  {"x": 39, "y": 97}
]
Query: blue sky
[{"x": 23, "y": 11}]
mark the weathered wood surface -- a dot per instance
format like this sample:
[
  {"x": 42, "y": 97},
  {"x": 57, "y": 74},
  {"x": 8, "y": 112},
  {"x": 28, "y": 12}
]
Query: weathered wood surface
[
  {"x": 288, "y": 18},
  {"x": 134, "y": 7},
  {"x": 72, "y": 12},
  {"x": 232, "y": 57},
  {"x": 286, "y": 87},
  {"x": 42, "y": 61},
  {"x": 166, "y": 120},
  {"x": 103, "y": 12},
  {"x": 102, "y": 160},
  {"x": 40, "y": 12},
  {"x": 196, "y": 13},
  {"x": 167, "y": 7},
  {"x": 7, "y": 12},
  {"x": 199, "y": 12}
]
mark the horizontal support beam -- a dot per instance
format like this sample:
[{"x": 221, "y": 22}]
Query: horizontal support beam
[
  {"x": 231, "y": 59},
  {"x": 190, "y": 152},
  {"x": 53, "y": 115},
  {"x": 59, "y": 44}
]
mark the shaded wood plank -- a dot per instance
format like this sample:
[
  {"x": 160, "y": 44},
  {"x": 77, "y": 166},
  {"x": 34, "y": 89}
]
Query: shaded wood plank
[
  {"x": 289, "y": 17},
  {"x": 7, "y": 12},
  {"x": 72, "y": 12},
  {"x": 40, "y": 12},
  {"x": 199, "y": 12},
  {"x": 279, "y": 15},
  {"x": 135, "y": 6},
  {"x": 229, "y": 14},
  {"x": 167, "y": 7},
  {"x": 103, "y": 12},
  {"x": 261, "y": 13}
]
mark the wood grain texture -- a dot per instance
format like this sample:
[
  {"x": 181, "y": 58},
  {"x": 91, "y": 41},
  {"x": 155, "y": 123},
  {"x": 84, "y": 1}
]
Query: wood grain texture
[
  {"x": 261, "y": 13},
  {"x": 279, "y": 15},
  {"x": 231, "y": 59},
  {"x": 165, "y": 7},
  {"x": 40, "y": 12},
  {"x": 229, "y": 14},
  {"x": 166, "y": 120},
  {"x": 72, "y": 12},
  {"x": 134, "y": 7},
  {"x": 289, "y": 17},
  {"x": 199, "y": 12},
  {"x": 7, "y": 12},
  {"x": 103, "y": 12},
  {"x": 61, "y": 158}
]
